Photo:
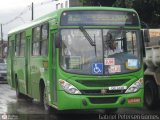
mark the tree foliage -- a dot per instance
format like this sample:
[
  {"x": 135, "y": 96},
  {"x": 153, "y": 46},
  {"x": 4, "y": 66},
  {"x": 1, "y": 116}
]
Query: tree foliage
[
  {"x": 148, "y": 10},
  {"x": 97, "y": 2}
]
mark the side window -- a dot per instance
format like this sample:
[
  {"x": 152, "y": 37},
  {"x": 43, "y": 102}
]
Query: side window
[
  {"x": 9, "y": 47},
  {"x": 22, "y": 45},
  {"x": 18, "y": 43},
  {"x": 36, "y": 41},
  {"x": 44, "y": 40}
]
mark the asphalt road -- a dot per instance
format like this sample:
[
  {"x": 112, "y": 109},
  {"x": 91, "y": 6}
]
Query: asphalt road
[{"x": 14, "y": 109}]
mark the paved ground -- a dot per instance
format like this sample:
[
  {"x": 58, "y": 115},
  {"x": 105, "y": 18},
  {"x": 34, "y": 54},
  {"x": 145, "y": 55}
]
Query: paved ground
[{"x": 23, "y": 110}]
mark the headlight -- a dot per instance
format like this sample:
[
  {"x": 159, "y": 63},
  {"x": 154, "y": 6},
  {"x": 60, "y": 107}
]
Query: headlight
[
  {"x": 68, "y": 87},
  {"x": 135, "y": 86}
]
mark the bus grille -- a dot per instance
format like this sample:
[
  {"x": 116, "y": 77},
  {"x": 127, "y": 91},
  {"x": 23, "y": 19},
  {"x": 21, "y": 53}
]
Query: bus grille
[
  {"x": 98, "y": 92},
  {"x": 103, "y": 100},
  {"x": 102, "y": 83}
]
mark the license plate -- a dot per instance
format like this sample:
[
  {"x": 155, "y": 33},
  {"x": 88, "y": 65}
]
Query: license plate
[
  {"x": 134, "y": 100},
  {"x": 118, "y": 88}
]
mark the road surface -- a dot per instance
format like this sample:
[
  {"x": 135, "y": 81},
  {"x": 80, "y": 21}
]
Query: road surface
[{"x": 20, "y": 109}]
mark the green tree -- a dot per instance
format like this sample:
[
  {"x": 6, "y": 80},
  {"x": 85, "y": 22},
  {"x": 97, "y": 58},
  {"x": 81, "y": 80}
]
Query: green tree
[
  {"x": 148, "y": 10},
  {"x": 97, "y": 2},
  {"x": 87, "y": 2}
]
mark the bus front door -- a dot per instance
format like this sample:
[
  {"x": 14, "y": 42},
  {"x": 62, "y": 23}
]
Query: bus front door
[
  {"x": 27, "y": 67},
  {"x": 53, "y": 68}
]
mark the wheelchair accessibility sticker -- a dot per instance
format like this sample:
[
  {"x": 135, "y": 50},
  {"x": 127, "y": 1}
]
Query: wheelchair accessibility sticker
[{"x": 97, "y": 68}]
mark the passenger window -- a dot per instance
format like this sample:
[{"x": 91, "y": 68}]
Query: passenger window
[
  {"x": 9, "y": 47},
  {"x": 18, "y": 42},
  {"x": 44, "y": 41},
  {"x": 22, "y": 45},
  {"x": 36, "y": 41}
]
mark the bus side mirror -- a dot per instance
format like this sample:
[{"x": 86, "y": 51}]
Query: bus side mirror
[
  {"x": 158, "y": 42},
  {"x": 57, "y": 44},
  {"x": 143, "y": 48},
  {"x": 57, "y": 39},
  {"x": 145, "y": 35},
  {"x": 144, "y": 40}
]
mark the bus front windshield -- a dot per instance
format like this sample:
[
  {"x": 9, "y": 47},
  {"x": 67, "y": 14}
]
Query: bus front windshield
[{"x": 100, "y": 51}]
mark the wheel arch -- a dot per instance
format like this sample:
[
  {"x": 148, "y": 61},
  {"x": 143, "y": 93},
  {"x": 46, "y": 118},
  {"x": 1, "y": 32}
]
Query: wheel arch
[
  {"x": 16, "y": 80},
  {"x": 41, "y": 89}
]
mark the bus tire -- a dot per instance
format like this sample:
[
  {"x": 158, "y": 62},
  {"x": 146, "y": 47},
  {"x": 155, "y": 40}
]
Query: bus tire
[
  {"x": 150, "y": 93},
  {"x": 45, "y": 101},
  {"x": 18, "y": 94}
]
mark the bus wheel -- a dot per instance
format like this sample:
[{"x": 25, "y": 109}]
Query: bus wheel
[
  {"x": 45, "y": 100},
  {"x": 150, "y": 94},
  {"x": 111, "y": 110},
  {"x": 18, "y": 94}
]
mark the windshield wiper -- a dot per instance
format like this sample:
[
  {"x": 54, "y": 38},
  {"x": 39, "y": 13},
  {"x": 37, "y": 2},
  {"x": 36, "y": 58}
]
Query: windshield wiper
[
  {"x": 123, "y": 39},
  {"x": 87, "y": 36}
]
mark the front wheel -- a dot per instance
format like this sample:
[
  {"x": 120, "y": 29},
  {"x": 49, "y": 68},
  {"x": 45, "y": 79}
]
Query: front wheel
[
  {"x": 45, "y": 100},
  {"x": 18, "y": 94},
  {"x": 48, "y": 108},
  {"x": 150, "y": 94}
]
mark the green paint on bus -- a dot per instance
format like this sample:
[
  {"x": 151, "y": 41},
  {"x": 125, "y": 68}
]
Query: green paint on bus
[{"x": 79, "y": 58}]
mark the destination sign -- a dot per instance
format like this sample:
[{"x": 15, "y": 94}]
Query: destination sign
[{"x": 109, "y": 18}]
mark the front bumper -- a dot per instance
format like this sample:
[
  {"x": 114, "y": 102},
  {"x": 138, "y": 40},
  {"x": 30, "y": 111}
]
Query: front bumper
[{"x": 68, "y": 101}]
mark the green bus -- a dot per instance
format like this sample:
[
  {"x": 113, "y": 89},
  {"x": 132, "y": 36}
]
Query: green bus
[{"x": 79, "y": 58}]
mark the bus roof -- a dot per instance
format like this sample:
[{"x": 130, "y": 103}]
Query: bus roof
[{"x": 56, "y": 14}]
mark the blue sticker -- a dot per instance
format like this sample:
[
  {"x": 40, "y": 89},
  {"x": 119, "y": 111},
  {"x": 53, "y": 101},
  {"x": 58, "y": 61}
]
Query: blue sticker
[
  {"x": 97, "y": 68},
  {"x": 133, "y": 63}
]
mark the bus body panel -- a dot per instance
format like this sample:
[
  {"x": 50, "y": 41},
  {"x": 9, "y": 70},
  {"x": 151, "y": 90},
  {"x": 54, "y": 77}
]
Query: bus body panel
[
  {"x": 67, "y": 101},
  {"x": 52, "y": 69},
  {"x": 19, "y": 68}
]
